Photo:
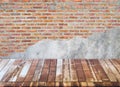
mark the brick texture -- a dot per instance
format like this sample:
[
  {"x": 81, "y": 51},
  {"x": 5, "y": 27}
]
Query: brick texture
[{"x": 25, "y": 22}]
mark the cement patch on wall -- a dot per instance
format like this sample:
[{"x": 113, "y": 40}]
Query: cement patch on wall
[{"x": 99, "y": 45}]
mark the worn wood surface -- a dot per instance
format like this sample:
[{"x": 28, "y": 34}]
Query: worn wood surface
[{"x": 60, "y": 72}]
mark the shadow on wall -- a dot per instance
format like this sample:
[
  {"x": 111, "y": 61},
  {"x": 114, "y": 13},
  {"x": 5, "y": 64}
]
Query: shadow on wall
[{"x": 99, "y": 45}]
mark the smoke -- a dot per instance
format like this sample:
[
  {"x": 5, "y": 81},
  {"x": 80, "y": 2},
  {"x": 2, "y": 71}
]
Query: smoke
[{"x": 99, "y": 45}]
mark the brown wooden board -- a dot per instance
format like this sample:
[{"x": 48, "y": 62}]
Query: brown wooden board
[
  {"x": 118, "y": 60},
  {"x": 24, "y": 71},
  {"x": 60, "y": 72},
  {"x": 38, "y": 70},
  {"x": 31, "y": 71},
  {"x": 66, "y": 70},
  {"x": 87, "y": 71},
  {"x": 93, "y": 64},
  {"x": 3, "y": 72},
  {"x": 113, "y": 69},
  {"x": 52, "y": 71},
  {"x": 100, "y": 70},
  {"x": 79, "y": 69},
  {"x": 108, "y": 71},
  {"x": 45, "y": 72},
  {"x": 73, "y": 74},
  {"x": 116, "y": 64},
  {"x": 3, "y": 63},
  {"x": 8, "y": 76}
]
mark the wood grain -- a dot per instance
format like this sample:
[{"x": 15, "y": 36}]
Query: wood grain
[
  {"x": 66, "y": 70},
  {"x": 113, "y": 69},
  {"x": 87, "y": 71},
  {"x": 24, "y": 71},
  {"x": 5, "y": 69},
  {"x": 79, "y": 69},
  {"x": 60, "y": 73},
  {"x": 45, "y": 72},
  {"x": 59, "y": 70},
  {"x": 38, "y": 70},
  {"x": 108, "y": 71}
]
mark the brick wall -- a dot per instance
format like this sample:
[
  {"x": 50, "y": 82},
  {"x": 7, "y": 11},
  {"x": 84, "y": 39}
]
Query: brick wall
[{"x": 24, "y": 22}]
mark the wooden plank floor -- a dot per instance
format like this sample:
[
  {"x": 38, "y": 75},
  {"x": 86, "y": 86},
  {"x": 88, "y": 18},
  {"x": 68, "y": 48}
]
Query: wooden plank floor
[{"x": 60, "y": 72}]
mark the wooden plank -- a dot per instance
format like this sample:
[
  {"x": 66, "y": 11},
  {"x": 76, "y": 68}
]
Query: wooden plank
[
  {"x": 26, "y": 84},
  {"x": 100, "y": 71},
  {"x": 6, "y": 84},
  {"x": 79, "y": 69},
  {"x": 3, "y": 63},
  {"x": 38, "y": 70},
  {"x": 59, "y": 84},
  {"x": 31, "y": 71},
  {"x": 66, "y": 70},
  {"x": 107, "y": 71},
  {"x": 107, "y": 84},
  {"x": 17, "y": 62},
  {"x": 52, "y": 71},
  {"x": 118, "y": 60},
  {"x": 96, "y": 70},
  {"x": 92, "y": 71},
  {"x": 10, "y": 71},
  {"x": 75, "y": 84},
  {"x": 116, "y": 64},
  {"x": 59, "y": 70},
  {"x": 34, "y": 84},
  {"x": 45, "y": 72},
  {"x": 115, "y": 84},
  {"x": 73, "y": 74},
  {"x": 41, "y": 84},
  {"x": 66, "y": 84},
  {"x": 88, "y": 74},
  {"x": 17, "y": 84},
  {"x": 50, "y": 84},
  {"x": 113, "y": 69},
  {"x": 83, "y": 84},
  {"x": 104, "y": 84},
  {"x": 13, "y": 76},
  {"x": 5, "y": 69},
  {"x": 24, "y": 71},
  {"x": 90, "y": 84},
  {"x": 17, "y": 71}
]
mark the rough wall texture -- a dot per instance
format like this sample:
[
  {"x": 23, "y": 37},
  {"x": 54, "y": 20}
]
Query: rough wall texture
[{"x": 25, "y": 22}]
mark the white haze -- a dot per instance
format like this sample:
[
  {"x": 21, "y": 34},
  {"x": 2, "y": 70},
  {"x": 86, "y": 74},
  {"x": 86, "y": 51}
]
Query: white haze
[{"x": 99, "y": 45}]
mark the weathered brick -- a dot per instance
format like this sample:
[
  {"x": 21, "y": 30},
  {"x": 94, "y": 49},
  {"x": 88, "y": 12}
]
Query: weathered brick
[
  {"x": 26, "y": 40},
  {"x": 25, "y": 0},
  {"x": 78, "y": 0},
  {"x": 15, "y": 0},
  {"x": 88, "y": 0},
  {"x": 27, "y": 23},
  {"x": 2, "y": 1}
]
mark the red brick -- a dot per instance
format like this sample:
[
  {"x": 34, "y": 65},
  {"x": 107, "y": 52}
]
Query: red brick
[
  {"x": 98, "y": 0},
  {"x": 15, "y": 0},
  {"x": 88, "y": 0},
  {"x": 26, "y": 40},
  {"x": 2, "y": 1},
  {"x": 33, "y": 22},
  {"x": 78, "y": 0},
  {"x": 25, "y": 0}
]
